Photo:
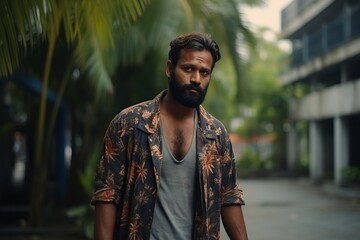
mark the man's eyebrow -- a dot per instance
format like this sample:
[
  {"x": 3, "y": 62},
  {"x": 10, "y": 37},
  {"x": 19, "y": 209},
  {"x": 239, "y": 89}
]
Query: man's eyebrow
[{"x": 205, "y": 68}]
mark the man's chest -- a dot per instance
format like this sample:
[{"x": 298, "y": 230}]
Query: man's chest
[{"x": 178, "y": 138}]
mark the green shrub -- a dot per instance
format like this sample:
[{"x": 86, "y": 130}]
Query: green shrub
[
  {"x": 250, "y": 164},
  {"x": 352, "y": 174}
]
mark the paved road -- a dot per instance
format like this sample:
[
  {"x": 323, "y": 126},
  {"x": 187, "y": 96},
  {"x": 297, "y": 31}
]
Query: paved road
[{"x": 279, "y": 209}]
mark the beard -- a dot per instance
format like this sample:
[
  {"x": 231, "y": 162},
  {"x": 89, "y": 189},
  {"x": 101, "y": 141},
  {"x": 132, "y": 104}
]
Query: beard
[{"x": 187, "y": 98}]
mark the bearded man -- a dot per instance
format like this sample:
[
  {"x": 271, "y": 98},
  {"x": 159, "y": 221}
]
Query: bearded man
[{"x": 168, "y": 168}]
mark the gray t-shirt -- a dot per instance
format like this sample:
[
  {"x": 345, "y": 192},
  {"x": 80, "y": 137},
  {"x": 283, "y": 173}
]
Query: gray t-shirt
[{"x": 174, "y": 209}]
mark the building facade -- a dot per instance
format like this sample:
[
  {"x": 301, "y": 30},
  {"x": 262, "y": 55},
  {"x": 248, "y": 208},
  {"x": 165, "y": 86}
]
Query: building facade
[{"x": 325, "y": 69}]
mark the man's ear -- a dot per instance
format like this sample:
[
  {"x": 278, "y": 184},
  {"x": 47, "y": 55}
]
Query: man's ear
[{"x": 169, "y": 69}]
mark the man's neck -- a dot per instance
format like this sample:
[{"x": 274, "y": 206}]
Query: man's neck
[{"x": 169, "y": 107}]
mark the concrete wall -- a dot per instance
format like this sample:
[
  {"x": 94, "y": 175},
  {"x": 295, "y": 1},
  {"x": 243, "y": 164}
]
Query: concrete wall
[{"x": 338, "y": 100}]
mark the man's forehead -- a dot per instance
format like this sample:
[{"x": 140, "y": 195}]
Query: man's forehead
[{"x": 196, "y": 55}]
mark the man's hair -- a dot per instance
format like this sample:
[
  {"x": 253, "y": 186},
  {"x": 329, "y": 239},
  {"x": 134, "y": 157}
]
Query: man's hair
[{"x": 196, "y": 41}]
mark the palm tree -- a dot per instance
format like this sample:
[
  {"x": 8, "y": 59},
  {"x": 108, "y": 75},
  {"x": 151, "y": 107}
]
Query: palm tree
[{"x": 86, "y": 24}]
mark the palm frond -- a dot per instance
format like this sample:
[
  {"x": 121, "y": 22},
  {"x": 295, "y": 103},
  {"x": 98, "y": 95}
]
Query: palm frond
[
  {"x": 23, "y": 21},
  {"x": 17, "y": 28},
  {"x": 103, "y": 24},
  {"x": 92, "y": 56}
]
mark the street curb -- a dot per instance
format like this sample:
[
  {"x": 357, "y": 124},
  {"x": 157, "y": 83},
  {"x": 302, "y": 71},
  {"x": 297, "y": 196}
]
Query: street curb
[{"x": 346, "y": 191}]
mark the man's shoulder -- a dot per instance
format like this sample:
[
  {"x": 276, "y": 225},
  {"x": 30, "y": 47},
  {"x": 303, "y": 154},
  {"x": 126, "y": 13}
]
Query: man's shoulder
[
  {"x": 143, "y": 109},
  {"x": 136, "y": 110},
  {"x": 210, "y": 119}
]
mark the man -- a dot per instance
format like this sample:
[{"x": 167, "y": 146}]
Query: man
[{"x": 168, "y": 169}]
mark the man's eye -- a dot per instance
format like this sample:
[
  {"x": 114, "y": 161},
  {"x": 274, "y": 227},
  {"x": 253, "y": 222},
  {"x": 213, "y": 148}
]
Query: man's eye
[
  {"x": 205, "y": 73},
  {"x": 188, "y": 69}
]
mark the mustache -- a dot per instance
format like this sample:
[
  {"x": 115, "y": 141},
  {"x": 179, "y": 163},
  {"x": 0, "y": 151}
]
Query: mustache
[{"x": 193, "y": 87}]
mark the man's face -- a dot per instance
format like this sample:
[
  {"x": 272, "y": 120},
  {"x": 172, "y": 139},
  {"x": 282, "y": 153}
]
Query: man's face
[{"x": 190, "y": 78}]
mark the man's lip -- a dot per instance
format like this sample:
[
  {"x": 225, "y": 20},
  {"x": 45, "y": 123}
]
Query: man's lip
[{"x": 193, "y": 90}]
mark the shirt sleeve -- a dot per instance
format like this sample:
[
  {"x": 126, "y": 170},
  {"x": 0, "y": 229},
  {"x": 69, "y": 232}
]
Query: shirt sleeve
[
  {"x": 110, "y": 169},
  {"x": 231, "y": 193}
]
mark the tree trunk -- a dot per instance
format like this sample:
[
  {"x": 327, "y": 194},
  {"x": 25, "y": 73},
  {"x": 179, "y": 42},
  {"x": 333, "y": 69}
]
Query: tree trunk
[{"x": 40, "y": 170}]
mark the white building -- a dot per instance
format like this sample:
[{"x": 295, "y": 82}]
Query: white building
[{"x": 325, "y": 64}]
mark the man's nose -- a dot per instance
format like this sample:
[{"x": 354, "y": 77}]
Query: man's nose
[{"x": 195, "y": 77}]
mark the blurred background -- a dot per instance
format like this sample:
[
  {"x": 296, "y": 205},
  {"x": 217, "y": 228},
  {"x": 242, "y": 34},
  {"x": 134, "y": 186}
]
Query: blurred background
[{"x": 287, "y": 88}]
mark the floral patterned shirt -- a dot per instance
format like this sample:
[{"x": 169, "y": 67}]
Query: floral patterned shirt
[{"x": 128, "y": 172}]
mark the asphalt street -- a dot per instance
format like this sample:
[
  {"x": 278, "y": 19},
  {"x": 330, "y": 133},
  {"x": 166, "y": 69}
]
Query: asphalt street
[
  {"x": 279, "y": 209},
  {"x": 296, "y": 209}
]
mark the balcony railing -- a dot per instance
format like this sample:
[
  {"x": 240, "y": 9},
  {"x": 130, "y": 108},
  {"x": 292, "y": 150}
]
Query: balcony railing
[{"x": 331, "y": 33}]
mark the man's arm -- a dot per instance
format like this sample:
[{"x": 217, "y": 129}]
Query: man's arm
[
  {"x": 233, "y": 221},
  {"x": 104, "y": 221}
]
